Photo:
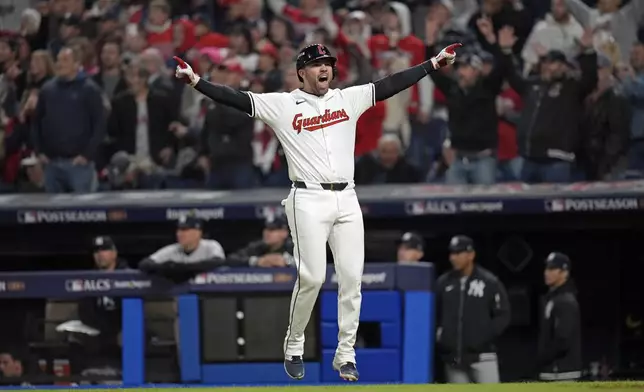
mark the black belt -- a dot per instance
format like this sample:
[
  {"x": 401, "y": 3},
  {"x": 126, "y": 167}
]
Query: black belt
[{"x": 329, "y": 186}]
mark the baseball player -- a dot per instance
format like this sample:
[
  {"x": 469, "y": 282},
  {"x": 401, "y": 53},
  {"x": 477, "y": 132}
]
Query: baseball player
[{"x": 316, "y": 127}]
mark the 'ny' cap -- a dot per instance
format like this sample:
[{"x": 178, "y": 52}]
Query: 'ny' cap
[
  {"x": 558, "y": 260},
  {"x": 103, "y": 243},
  {"x": 189, "y": 222},
  {"x": 461, "y": 243},
  {"x": 412, "y": 241}
]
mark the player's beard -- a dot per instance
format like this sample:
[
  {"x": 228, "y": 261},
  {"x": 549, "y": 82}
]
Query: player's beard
[{"x": 322, "y": 87}]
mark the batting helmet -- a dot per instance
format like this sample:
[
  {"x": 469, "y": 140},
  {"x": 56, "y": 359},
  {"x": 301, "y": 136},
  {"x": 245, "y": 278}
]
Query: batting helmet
[{"x": 312, "y": 53}]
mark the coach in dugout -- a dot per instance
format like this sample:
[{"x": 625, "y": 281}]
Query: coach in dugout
[
  {"x": 275, "y": 249},
  {"x": 190, "y": 255},
  {"x": 472, "y": 312},
  {"x": 410, "y": 248},
  {"x": 559, "y": 353},
  {"x": 104, "y": 313}
]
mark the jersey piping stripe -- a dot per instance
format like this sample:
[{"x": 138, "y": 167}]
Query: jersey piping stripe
[
  {"x": 299, "y": 282},
  {"x": 373, "y": 94},
  {"x": 252, "y": 104}
]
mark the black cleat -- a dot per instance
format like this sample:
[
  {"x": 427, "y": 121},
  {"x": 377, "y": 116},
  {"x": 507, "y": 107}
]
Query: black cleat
[
  {"x": 349, "y": 372},
  {"x": 294, "y": 367}
]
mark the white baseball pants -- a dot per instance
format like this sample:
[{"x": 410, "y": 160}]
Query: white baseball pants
[{"x": 316, "y": 216}]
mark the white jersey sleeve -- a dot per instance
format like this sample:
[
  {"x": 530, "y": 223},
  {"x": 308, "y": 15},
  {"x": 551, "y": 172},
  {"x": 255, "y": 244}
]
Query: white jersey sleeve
[
  {"x": 360, "y": 98},
  {"x": 165, "y": 254},
  {"x": 214, "y": 249},
  {"x": 268, "y": 107}
]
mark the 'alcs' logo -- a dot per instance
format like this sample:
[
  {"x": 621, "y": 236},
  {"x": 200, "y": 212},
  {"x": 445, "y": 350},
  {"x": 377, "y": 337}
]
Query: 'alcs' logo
[{"x": 315, "y": 123}]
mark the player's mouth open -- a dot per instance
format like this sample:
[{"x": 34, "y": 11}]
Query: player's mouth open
[{"x": 323, "y": 78}]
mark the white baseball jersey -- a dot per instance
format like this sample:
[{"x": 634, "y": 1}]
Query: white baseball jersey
[
  {"x": 317, "y": 134},
  {"x": 207, "y": 250}
]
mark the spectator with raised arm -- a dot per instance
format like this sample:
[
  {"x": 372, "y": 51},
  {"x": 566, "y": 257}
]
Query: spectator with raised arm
[
  {"x": 549, "y": 132},
  {"x": 473, "y": 121},
  {"x": 606, "y": 122},
  {"x": 614, "y": 28},
  {"x": 559, "y": 30},
  {"x": 503, "y": 13},
  {"x": 631, "y": 78}
]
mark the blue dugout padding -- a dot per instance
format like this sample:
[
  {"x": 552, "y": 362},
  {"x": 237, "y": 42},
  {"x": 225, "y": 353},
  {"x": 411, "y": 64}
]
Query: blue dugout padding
[{"x": 398, "y": 298}]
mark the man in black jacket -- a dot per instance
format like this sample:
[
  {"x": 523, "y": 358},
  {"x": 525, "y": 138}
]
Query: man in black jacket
[
  {"x": 549, "y": 131},
  {"x": 68, "y": 127},
  {"x": 139, "y": 125},
  {"x": 472, "y": 311},
  {"x": 606, "y": 123},
  {"x": 386, "y": 165},
  {"x": 473, "y": 121},
  {"x": 226, "y": 149},
  {"x": 275, "y": 249},
  {"x": 559, "y": 354},
  {"x": 104, "y": 313}
]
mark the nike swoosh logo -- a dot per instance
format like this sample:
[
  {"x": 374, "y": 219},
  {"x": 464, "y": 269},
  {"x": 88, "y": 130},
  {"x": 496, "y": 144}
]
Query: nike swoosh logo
[{"x": 299, "y": 102}]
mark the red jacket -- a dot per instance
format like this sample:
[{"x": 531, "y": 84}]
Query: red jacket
[
  {"x": 11, "y": 162},
  {"x": 507, "y": 146},
  {"x": 411, "y": 45}
]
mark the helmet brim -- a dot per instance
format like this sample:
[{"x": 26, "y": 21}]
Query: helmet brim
[{"x": 333, "y": 59}]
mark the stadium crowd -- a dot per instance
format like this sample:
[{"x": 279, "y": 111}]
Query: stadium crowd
[{"x": 544, "y": 91}]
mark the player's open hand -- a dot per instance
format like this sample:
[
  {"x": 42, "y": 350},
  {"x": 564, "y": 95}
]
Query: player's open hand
[
  {"x": 446, "y": 56},
  {"x": 184, "y": 72}
]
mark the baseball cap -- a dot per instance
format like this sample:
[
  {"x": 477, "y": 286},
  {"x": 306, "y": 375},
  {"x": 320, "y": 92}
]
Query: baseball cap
[
  {"x": 558, "y": 260},
  {"x": 103, "y": 243},
  {"x": 412, "y": 240},
  {"x": 472, "y": 60},
  {"x": 461, "y": 243},
  {"x": 31, "y": 160},
  {"x": 212, "y": 54},
  {"x": 557, "y": 55},
  {"x": 269, "y": 49},
  {"x": 186, "y": 222},
  {"x": 233, "y": 66},
  {"x": 275, "y": 223}
]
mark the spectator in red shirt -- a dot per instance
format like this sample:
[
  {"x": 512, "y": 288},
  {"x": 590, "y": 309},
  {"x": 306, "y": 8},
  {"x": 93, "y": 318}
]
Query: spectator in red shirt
[
  {"x": 508, "y": 107},
  {"x": 158, "y": 28},
  {"x": 310, "y": 15},
  {"x": 398, "y": 36},
  {"x": 205, "y": 36}
]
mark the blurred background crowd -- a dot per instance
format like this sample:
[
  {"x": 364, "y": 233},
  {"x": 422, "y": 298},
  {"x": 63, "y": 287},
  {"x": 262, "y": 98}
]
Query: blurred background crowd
[{"x": 543, "y": 91}]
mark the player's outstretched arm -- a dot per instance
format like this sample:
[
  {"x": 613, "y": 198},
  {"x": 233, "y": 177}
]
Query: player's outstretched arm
[
  {"x": 217, "y": 92},
  {"x": 393, "y": 84}
]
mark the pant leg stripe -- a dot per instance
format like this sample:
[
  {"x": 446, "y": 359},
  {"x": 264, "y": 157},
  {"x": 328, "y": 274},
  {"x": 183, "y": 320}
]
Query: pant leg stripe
[{"x": 299, "y": 282}]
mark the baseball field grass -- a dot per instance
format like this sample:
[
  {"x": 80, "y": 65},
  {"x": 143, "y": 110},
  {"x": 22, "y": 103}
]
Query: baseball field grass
[{"x": 526, "y": 387}]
